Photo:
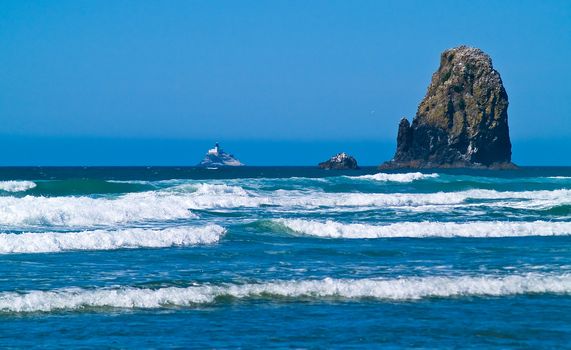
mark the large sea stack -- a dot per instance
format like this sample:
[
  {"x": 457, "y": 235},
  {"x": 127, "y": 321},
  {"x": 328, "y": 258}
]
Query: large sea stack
[{"x": 463, "y": 119}]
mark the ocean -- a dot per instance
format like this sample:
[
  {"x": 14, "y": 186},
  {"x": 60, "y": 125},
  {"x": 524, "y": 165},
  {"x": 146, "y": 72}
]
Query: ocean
[{"x": 284, "y": 257}]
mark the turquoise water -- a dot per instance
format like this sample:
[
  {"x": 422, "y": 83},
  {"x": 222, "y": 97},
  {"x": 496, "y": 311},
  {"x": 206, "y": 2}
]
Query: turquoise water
[{"x": 284, "y": 257}]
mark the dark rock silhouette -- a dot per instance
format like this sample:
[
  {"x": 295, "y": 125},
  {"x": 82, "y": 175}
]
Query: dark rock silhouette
[
  {"x": 463, "y": 119},
  {"x": 340, "y": 161}
]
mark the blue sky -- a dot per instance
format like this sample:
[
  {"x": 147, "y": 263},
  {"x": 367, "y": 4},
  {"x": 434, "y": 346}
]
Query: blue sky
[{"x": 156, "y": 82}]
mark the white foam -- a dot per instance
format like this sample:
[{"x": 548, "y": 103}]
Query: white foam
[
  {"x": 173, "y": 204},
  {"x": 215, "y": 189},
  {"x": 223, "y": 196},
  {"x": 87, "y": 211},
  {"x": 404, "y": 177},
  {"x": 50, "y": 242},
  {"x": 233, "y": 196},
  {"x": 16, "y": 186},
  {"x": 402, "y": 289},
  {"x": 478, "y": 229}
]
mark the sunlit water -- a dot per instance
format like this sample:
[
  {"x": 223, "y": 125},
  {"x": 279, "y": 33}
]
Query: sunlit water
[{"x": 284, "y": 257}]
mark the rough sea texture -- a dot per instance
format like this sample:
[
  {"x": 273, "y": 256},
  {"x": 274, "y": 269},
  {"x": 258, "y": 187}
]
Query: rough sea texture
[{"x": 285, "y": 257}]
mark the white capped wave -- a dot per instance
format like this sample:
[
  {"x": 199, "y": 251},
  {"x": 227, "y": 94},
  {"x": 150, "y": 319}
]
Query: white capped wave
[
  {"x": 16, "y": 186},
  {"x": 173, "y": 204},
  {"x": 206, "y": 196},
  {"x": 87, "y": 211},
  {"x": 338, "y": 201},
  {"x": 158, "y": 183},
  {"x": 404, "y": 177},
  {"x": 51, "y": 242},
  {"x": 478, "y": 229},
  {"x": 403, "y": 289},
  {"x": 131, "y": 182},
  {"x": 215, "y": 189}
]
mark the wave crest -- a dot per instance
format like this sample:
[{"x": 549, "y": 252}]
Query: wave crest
[
  {"x": 88, "y": 211},
  {"x": 233, "y": 198},
  {"x": 478, "y": 229},
  {"x": 402, "y": 289},
  {"x": 398, "y": 177},
  {"x": 16, "y": 186},
  {"x": 50, "y": 242},
  {"x": 169, "y": 205}
]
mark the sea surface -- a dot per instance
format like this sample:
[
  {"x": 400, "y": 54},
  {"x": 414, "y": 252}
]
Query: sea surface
[{"x": 290, "y": 257}]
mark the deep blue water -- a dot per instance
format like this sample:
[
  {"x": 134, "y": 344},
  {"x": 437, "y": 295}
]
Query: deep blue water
[{"x": 285, "y": 258}]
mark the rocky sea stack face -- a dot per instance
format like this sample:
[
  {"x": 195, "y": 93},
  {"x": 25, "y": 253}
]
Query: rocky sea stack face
[
  {"x": 216, "y": 157},
  {"x": 341, "y": 161},
  {"x": 463, "y": 119}
]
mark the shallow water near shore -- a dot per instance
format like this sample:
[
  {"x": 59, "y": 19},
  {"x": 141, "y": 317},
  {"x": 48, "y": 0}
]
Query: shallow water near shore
[{"x": 284, "y": 257}]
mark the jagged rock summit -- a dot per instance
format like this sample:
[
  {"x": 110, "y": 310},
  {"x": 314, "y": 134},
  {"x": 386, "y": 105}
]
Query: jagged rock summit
[
  {"x": 216, "y": 157},
  {"x": 340, "y": 161},
  {"x": 463, "y": 119}
]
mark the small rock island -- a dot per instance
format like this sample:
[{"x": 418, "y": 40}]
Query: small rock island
[
  {"x": 216, "y": 157},
  {"x": 340, "y": 161},
  {"x": 463, "y": 119}
]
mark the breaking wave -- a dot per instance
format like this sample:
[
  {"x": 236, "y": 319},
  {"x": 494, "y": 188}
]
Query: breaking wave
[
  {"x": 88, "y": 211},
  {"x": 175, "y": 203},
  {"x": 478, "y": 229},
  {"x": 404, "y": 177},
  {"x": 16, "y": 186},
  {"x": 402, "y": 289},
  {"x": 51, "y": 242},
  {"x": 206, "y": 196},
  {"x": 234, "y": 197}
]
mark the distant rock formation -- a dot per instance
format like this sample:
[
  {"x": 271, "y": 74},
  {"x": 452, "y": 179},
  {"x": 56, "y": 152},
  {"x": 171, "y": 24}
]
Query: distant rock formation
[
  {"x": 463, "y": 119},
  {"x": 216, "y": 157},
  {"x": 340, "y": 161}
]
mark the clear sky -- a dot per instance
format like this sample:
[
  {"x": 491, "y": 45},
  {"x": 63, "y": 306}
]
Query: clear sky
[{"x": 157, "y": 82}]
